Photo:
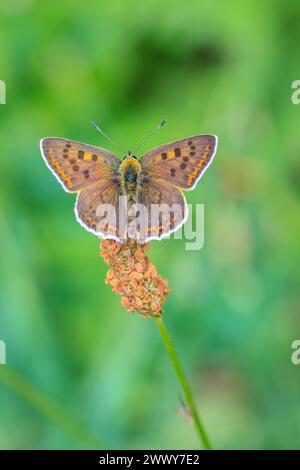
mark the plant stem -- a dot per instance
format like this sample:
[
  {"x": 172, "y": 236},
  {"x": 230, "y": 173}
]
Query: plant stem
[
  {"x": 183, "y": 380},
  {"x": 48, "y": 408}
]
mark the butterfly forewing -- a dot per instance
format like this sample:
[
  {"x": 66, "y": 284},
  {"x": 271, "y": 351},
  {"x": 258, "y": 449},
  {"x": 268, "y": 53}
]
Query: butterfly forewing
[
  {"x": 77, "y": 165},
  {"x": 183, "y": 162}
]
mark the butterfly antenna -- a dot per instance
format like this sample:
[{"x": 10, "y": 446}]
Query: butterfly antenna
[
  {"x": 108, "y": 138},
  {"x": 163, "y": 122}
]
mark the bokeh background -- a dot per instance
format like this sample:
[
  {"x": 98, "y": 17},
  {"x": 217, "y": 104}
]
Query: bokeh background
[{"x": 72, "y": 352}]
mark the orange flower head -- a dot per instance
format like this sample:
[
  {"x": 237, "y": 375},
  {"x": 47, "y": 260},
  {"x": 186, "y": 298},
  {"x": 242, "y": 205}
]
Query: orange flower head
[{"x": 132, "y": 275}]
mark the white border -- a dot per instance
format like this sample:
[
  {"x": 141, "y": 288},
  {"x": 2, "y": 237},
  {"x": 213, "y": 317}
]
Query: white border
[{"x": 210, "y": 162}]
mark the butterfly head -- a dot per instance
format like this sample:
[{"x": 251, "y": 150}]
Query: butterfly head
[
  {"x": 130, "y": 164},
  {"x": 129, "y": 155}
]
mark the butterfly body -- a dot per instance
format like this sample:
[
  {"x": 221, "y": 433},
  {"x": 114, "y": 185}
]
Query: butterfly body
[
  {"x": 130, "y": 170},
  {"x": 154, "y": 183}
]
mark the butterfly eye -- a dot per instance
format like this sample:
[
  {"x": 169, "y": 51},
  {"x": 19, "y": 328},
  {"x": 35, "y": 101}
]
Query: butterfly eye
[{"x": 129, "y": 154}]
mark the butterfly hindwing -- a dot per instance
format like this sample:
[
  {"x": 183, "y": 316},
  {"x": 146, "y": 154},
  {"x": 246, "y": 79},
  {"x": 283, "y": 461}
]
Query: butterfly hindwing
[
  {"x": 183, "y": 162},
  {"x": 165, "y": 204},
  {"x": 97, "y": 208},
  {"x": 76, "y": 165}
]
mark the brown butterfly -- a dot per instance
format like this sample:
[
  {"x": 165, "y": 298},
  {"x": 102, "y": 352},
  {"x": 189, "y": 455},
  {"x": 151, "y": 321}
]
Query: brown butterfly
[{"x": 132, "y": 198}]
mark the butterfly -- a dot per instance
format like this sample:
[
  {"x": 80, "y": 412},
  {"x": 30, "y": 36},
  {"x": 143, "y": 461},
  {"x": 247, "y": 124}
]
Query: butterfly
[{"x": 130, "y": 198}]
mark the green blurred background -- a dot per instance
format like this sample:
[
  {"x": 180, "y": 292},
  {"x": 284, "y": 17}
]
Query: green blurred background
[{"x": 206, "y": 66}]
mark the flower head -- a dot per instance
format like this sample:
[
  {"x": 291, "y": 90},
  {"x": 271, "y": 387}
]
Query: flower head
[{"x": 134, "y": 277}]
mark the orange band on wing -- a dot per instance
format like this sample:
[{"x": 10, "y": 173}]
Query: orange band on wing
[
  {"x": 94, "y": 224},
  {"x": 193, "y": 175},
  {"x": 60, "y": 171},
  {"x": 160, "y": 228}
]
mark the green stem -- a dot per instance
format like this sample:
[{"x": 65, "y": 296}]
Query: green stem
[
  {"x": 48, "y": 408},
  {"x": 183, "y": 380}
]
